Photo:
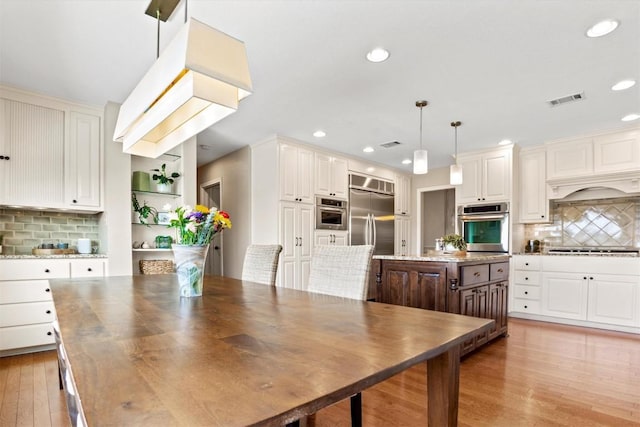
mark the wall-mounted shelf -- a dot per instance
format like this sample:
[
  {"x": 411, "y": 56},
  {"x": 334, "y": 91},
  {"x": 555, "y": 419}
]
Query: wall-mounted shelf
[{"x": 156, "y": 193}]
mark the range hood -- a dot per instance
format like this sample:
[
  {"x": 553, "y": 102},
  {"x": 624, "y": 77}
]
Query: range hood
[{"x": 595, "y": 187}]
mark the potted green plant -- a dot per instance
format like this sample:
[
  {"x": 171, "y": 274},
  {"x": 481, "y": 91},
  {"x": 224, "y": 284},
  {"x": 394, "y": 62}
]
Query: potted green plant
[
  {"x": 145, "y": 212},
  {"x": 164, "y": 181},
  {"x": 455, "y": 243}
]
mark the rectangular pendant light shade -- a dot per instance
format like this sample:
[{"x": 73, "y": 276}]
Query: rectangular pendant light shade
[
  {"x": 455, "y": 174},
  {"x": 198, "y": 80},
  {"x": 420, "y": 162}
]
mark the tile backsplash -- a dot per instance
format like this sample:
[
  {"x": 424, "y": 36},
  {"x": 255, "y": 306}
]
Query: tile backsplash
[
  {"x": 607, "y": 222},
  {"x": 23, "y": 230}
]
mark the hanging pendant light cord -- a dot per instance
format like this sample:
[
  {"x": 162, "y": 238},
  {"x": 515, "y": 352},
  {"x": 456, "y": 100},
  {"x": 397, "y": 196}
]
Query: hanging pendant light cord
[
  {"x": 456, "y": 147},
  {"x": 421, "y": 128}
]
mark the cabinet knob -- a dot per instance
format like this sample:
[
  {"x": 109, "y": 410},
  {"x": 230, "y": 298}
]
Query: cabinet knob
[
  {"x": 47, "y": 290},
  {"x": 89, "y": 269},
  {"x": 584, "y": 278},
  {"x": 476, "y": 274},
  {"x": 526, "y": 278},
  {"x": 541, "y": 216},
  {"x": 526, "y": 292},
  {"x": 48, "y": 311},
  {"x": 590, "y": 278},
  {"x": 46, "y": 270},
  {"x": 74, "y": 201},
  {"x": 500, "y": 270},
  {"x": 526, "y": 306},
  {"x": 49, "y": 333},
  {"x": 526, "y": 263}
]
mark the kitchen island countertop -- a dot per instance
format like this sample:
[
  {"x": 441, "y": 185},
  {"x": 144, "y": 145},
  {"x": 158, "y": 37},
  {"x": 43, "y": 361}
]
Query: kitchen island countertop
[
  {"x": 57, "y": 256},
  {"x": 435, "y": 256}
]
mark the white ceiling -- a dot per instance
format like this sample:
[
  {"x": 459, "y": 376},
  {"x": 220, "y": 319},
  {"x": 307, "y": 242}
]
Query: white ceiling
[{"x": 490, "y": 64}]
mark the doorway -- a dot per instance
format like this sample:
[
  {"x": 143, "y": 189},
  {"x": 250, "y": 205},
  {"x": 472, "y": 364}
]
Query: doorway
[
  {"x": 211, "y": 196},
  {"x": 436, "y": 215}
]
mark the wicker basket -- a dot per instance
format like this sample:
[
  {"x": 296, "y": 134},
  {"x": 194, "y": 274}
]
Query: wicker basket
[{"x": 156, "y": 266}]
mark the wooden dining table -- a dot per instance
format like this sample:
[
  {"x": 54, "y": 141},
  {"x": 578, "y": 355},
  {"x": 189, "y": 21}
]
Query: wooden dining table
[{"x": 133, "y": 352}]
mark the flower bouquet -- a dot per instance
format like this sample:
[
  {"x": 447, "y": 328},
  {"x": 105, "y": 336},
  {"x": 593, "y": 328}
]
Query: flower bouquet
[{"x": 194, "y": 230}]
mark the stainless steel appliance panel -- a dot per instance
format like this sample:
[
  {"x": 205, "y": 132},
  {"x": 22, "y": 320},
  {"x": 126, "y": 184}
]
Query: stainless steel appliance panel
[
  {"x": 485, "y": 228},
  {"x": 371, "y": 216},
  {"x": 382, "y": 212},
  {"x": 359, "y": 209}
]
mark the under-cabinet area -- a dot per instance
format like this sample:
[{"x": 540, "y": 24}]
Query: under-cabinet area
[
  {"x": 474, "y": 285},
  {"x": 26, "y": 305},
  {"x": 594, "y": 291}
]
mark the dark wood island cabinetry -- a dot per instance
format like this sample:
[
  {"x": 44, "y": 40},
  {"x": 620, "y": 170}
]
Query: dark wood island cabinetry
[{"x": 475, "y": 285}]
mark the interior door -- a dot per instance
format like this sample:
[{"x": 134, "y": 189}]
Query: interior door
[{"x": 210, "y": 197}]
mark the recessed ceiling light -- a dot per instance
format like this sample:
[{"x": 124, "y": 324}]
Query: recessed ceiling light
[
  {"x": 505, "y": 142},
  {"x": 602, "y": 28},
  {"x": 368, "y": 149},
  {"x": 631, "y": 117},
  {"x": 378, "y": 54},
  {"x": 623, "y": 84},
  {"x": 319, "y": 134},
  {"x": 406, "y": 162}
]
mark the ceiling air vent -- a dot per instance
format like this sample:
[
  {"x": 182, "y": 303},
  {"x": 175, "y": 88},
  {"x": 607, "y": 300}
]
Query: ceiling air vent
[
  {"x": 565, "y": 99},
  {"x": 390, "y": 144}
]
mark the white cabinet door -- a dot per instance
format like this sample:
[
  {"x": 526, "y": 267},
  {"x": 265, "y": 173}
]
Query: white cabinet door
[
  {"x": 402, "y": 199},
  {"x": 614, "y": 299},
  {"x": 296, "y": 172},
  {"x": 565, "y": 295},
  {"x": 88, "y": 267},
  {"x": 402, "y": 245},
  {"x": 534, "y": 206},
  {"x": 330, "y": 237},
  {"x": 331, "y": 176},
  {"x": 570, "y": 159},
  {"x": 82, "y": 159},
  {"x": 486, "y": 177},
  {"x": 617, "y": 152},
  {"x": 33, "y": 151},
  {"x": 296, "y": 238}
]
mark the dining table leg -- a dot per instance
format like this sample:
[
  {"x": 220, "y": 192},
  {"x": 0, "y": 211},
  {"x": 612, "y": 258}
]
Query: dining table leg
[{"x": 443, "y": 383}]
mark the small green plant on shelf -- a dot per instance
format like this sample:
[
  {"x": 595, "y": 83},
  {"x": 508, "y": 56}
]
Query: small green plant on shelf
[
  {"x": 456, "y": 241},
  {"x": 162, "y": 176},
  {"x": 145, "y": 212}
]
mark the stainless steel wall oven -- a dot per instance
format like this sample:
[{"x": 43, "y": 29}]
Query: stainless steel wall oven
[
  {"x": 485, "y": 228},
  {"x": 331, "y": 214}
]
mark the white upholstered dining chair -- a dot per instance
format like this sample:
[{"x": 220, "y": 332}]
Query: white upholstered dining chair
[
  {"x": 342, "y": 271},
  {"x": 261, "y": 264}
]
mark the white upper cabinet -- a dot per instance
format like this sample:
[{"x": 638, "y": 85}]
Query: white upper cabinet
[
  {"x": 50, "y": 153},
  {"x": 601, "y": 154},
  {"x": 296, "y": 173},
  {"x": 82, "y": 161},
  {"x": 534, "y": 205},
  {"x": 331, "y": 176},
  {"x": 486, "y": 177},
  {"x": 402, "y": 199}
]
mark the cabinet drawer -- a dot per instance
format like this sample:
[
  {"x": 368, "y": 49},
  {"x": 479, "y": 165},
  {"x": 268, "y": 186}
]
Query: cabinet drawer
[
  {"x": 87, "y": 268},
  {"x": 527, "y": 262},
  {"x": 12, "y": 292},
  {"x": 526, "y": 306},
  {"x": 26, "y": 336},
  {"x": 526, "y": 292},
  {"x": 527, "y": 277},
  {"x": 473, "y": 274},
  {"x": 25, "y": 269},
  {"x": 26, "y": 314},
  {"x": 499, "y": 271}
]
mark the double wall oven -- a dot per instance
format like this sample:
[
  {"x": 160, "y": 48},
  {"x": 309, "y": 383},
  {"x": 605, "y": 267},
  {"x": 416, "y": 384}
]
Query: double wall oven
[{"x": 485, "y": 228}]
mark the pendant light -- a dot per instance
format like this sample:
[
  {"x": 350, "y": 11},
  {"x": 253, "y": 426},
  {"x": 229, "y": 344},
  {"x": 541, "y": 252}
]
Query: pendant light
[
  {"x": 420, "y": 157},
  {"x": 199, "y": 79},
  {"x": 455, "y": 170}
]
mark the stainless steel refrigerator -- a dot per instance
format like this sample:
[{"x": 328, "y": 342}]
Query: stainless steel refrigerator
[{"x": 371, "y": 219}]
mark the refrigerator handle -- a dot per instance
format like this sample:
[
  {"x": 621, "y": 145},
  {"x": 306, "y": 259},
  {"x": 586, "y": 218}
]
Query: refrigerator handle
[
  {"x": 367, "y": 230},
  {"x": 373, "y": 226}
]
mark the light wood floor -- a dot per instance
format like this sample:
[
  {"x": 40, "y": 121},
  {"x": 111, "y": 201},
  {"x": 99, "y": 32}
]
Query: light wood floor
[{"x": 541, "y": 375}]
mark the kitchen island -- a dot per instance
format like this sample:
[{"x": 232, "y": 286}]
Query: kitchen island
[{"x": 474, "y": 285}]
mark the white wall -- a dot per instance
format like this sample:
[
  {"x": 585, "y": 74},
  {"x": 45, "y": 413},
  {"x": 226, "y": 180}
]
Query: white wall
[
  {"x": 115, "y": 222},
  {"x": 234, "y": 170}
]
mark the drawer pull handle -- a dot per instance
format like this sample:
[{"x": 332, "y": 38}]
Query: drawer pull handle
[
  {"x": 48, "y": 311},
  {"x": 49, "y": 333},
  {"x": 47, "y": 271},
  {"x": 476, "y": 274},
  {"x": 500, "y": 270},
  {"x": 47, "y": 290}
]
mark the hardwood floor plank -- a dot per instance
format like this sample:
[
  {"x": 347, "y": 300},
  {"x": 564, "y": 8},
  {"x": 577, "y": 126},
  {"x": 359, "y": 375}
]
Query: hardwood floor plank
[
  {"x": 41, "y": 410},
  {"x": 541, "y": 375},
  {"x": 26, "y": 401}
]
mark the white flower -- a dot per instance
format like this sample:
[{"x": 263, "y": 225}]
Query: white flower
[{"x": 192, "y": 226}]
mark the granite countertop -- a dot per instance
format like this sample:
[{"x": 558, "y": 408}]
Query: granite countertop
[
  {"x": 447, "y": 257},
  {"x": 592, "y": 254},
  {"x": 63, "y": 256}
]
